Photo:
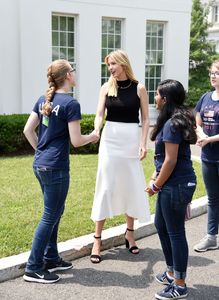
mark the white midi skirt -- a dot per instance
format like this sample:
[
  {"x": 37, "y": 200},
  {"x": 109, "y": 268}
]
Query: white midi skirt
[{"x": 120, "y": 181}]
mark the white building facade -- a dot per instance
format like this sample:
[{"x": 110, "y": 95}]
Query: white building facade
[
  {"x": 155, "y": 34},
  {"x": 213, "y": 20}
]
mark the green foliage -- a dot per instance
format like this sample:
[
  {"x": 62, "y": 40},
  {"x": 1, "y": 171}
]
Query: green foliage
[
  {"x": 202, "y": 53},
  {"x": 13, "y": 141}
]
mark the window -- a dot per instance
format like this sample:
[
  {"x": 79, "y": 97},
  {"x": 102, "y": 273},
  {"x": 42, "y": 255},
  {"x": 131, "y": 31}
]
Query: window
[
  {"x": 154, "y": 57},
  {"x": 111, "y": 40},
  {"x": 63, "y": 38},
  {"x": 215, "y": 14}
]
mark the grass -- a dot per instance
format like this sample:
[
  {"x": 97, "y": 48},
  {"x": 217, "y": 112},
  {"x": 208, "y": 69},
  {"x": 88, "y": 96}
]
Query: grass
[{"x": 21, "y": 200}]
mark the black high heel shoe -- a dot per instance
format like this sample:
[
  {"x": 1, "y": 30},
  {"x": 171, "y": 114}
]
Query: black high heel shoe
[
  {"x": 133, "y": 248},
  {"x": 95, "y": 258}
]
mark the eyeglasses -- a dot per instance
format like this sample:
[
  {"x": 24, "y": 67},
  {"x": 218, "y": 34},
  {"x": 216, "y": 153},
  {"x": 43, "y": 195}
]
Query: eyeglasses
[
  {"x": 73, "y": 70},
  {"x": 215, "y": 74}
]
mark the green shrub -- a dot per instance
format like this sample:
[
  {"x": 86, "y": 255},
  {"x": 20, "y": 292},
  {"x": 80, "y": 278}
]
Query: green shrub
[{"x": 13, "y": 141}]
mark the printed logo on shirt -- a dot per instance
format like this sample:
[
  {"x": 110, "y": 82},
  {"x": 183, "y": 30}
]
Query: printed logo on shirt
[{"x": 209, "y": 113}]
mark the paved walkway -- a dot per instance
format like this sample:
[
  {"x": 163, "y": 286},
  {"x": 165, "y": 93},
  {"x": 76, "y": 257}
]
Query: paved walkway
[{"x": 122, "y": 275}]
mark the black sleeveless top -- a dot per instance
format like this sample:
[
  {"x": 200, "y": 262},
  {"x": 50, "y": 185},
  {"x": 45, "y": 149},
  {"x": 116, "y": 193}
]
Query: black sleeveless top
[{"x": 124, "y": 107}]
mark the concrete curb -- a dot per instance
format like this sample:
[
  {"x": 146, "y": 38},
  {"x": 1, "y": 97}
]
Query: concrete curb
[{"x": 13, "y": 266}]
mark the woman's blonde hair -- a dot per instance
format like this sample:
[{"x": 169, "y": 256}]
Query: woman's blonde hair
[
  {"x": 56, "y": 75},
  {"x": 121, "y": 58}
]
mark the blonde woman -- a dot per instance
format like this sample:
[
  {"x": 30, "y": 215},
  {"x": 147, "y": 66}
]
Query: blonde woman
[
  {"x": 57, "y": 115},
  {"x": 120, "y": 179}
]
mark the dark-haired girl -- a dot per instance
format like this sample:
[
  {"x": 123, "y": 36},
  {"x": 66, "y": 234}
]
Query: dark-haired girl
[{"x": 174, "y": 181}]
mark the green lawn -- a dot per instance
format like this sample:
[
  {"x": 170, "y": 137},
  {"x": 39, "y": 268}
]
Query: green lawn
[{"x": 21, "y": 200}]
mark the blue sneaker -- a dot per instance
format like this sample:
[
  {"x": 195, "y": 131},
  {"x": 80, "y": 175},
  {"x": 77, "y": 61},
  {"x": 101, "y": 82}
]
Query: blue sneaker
[
  {"x": 172, "y": 291},
  {"x": 163, "y": 278}
]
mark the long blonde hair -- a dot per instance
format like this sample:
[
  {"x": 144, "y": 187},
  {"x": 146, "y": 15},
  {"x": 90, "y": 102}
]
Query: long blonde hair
[
  {"x": 121, "y": 58},
  {"x": 56, "y": 75}
]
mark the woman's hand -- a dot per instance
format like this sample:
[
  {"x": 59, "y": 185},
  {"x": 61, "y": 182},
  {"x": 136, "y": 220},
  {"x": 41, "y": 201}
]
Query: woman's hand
[
  {"x": 95, "y": 136},
  {"x": 142, "y": 152}
]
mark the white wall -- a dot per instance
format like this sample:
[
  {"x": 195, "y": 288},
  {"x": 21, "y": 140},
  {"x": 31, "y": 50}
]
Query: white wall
[{"x": 28, "y": 49}]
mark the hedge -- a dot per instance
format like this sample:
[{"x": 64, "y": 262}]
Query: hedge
[{"x": 13, "y": 141}]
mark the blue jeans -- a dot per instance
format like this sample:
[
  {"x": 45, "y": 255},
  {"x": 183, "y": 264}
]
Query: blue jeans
[
  {"x": 210, "y": 173},
  {"x": 54, "y": 185},
  {"x": 171, "y": 207}
]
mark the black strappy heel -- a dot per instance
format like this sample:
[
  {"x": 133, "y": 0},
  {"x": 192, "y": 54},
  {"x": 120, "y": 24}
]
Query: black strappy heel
[
  {"x": 95, "y": 258},
  {"x": 133, "y": 248}
]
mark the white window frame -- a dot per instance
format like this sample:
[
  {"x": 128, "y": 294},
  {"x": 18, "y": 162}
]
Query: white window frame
[
  {"x": 70, "y": 57},
  {"x": 106, "y": 50},
  {"x": 156, "y": 55}
]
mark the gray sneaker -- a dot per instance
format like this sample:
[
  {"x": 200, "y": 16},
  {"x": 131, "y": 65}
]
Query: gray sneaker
[{"x": 207, "y": 243}]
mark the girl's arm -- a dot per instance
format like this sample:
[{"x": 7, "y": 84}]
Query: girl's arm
[
  {"x": 171, "y": 153},
  {"x": 99, "y": 118},
  {"x": 77, "y": 139},
  {"x": 29, "y": 129},
  {"x": 142, "y": 93}
]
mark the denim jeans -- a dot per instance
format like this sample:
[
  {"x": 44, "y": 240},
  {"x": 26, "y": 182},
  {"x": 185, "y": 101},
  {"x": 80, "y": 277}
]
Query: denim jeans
[
  {"x": 54, "y": 185},
  {"x": 210, "y": 173},
  {"x": 170, "y": 214}
]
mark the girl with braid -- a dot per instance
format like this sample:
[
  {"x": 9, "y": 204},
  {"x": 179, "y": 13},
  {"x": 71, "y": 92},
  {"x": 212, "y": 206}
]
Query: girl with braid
[{"x": 57, "y": 116}]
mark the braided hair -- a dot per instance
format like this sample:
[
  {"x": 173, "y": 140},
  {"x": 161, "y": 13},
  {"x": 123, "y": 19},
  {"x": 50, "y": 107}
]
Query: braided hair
[{"x": 56, "y": 75}]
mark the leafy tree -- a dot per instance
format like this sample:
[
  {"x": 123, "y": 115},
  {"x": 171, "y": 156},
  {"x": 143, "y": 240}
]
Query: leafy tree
[{"x": 202, "y": 53}]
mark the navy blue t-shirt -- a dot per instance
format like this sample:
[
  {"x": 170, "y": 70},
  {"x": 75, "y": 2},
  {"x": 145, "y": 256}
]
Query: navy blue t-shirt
[
  {"x": 183, "y": 171},
  {"x": 209, "y": 112},
  {"x": 53, "y": 136}
]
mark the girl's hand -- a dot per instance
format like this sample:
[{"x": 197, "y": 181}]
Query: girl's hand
[
  {"x": 188, "y": 212},
  {"x": 149, "y": 191},
  {"x": 142, "y": 152},
  {"x": 94, "y": 137},
  {"x": 203, "y": 141}
]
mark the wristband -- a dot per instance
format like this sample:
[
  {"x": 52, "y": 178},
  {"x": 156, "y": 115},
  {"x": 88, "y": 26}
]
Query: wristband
[{"x": 155, "y": 188}]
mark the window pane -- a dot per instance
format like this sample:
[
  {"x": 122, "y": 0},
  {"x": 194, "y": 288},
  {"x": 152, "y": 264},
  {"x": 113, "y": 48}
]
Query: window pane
[
  {"x": 55, "y": 22},
  {"x": 55, "y": 53},
  {"x": 63, "y": 39},
  {"x": 104, "y": 41},
  {"x": 55, "y": 39},
  {"x": 154, "y": 30},
  {"x": 110, "y": 41},
  {"x": 63, "y": 53},
  {"x": 160, "y": 30},
  {"x": 71, "y": 54},
  {"x": 71, "y": 24},
  {"x": 153, "y": 43},
  {"x": 160, "y": 44},
  {"x": 159, "y": 57},
  {"x": 70, "y": 40},
  {"x": 63, "y": 24},
  {"x": 117, "y": 41},
  {"x": 111, "y": 26},
  {"x": 104, "y": 54},
  {"x": 104, "y": 26},
  {"x": 118, "y": 27}
]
